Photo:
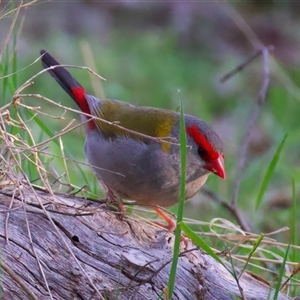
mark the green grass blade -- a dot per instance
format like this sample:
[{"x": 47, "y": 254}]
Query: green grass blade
[
  {"x": 14, "y": 62},
  {"x": 293, "y": 222},
  {"x": 253, "y": 249},
  {"x": 270, "y": 172},
  {"x": 176, "y": 252},
  {"x": 199, "y": 242},
  {"x": 281, "y": 273},
  {"x": 41, "y": 124},
  {"x": 4, "y": 71}
]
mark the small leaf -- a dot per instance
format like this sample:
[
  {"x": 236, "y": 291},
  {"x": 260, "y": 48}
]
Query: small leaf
[{"x": 270, "y": 172}]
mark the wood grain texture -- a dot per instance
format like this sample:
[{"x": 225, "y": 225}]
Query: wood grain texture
[{"x": 126, "y": 259}]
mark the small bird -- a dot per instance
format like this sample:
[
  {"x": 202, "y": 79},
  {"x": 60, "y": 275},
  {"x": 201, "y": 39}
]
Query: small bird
[{"x": 134, "y": 156}]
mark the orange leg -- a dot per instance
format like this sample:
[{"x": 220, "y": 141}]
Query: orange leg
[{"x": 171, "y": 224}]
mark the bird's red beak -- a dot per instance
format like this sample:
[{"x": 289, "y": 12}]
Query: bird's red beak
[{"x": 217, "y": 166}]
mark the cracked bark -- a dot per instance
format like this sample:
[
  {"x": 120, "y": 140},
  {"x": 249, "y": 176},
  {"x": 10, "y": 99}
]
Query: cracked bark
[{"x": 123, "y": 259}]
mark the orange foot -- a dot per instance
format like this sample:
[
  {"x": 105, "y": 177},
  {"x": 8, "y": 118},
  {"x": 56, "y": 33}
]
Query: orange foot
[{"x": 171, "y": 224}]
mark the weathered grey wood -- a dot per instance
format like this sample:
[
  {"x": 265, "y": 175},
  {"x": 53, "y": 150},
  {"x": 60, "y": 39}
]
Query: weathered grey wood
[{"x": 125, "y": 259}]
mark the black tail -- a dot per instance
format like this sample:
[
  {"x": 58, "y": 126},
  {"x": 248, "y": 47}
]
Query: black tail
[{"x": 60, "y": 74}]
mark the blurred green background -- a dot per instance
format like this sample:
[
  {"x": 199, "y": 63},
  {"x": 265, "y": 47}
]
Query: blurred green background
[{"x": 147, "y": 51}]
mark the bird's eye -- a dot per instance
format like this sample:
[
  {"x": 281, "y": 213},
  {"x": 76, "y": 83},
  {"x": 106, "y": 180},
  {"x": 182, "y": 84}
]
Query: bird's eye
[{"x": 202, "y": 152}]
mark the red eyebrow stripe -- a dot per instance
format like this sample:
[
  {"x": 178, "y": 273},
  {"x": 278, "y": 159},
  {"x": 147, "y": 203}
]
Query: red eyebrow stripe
[{"x": 201, "y": 141}]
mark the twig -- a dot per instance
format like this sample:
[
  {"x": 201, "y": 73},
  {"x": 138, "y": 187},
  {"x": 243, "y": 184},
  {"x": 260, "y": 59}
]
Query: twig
[
  {"x": 253, "y": 118},
  {"x": 244, "y": 64},
  {"x": 232, "y": 209}
]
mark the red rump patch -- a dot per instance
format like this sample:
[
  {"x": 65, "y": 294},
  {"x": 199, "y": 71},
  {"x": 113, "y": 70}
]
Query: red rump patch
[
  {"x": 201, "y": 141},
  {"x": 79, "y": 95}
]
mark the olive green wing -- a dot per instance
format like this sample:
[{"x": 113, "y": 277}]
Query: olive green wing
[{"x": 132, "y": 121}]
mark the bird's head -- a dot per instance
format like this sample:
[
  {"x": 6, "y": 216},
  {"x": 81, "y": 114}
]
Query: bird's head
[{"x": 209, "y": 147}]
